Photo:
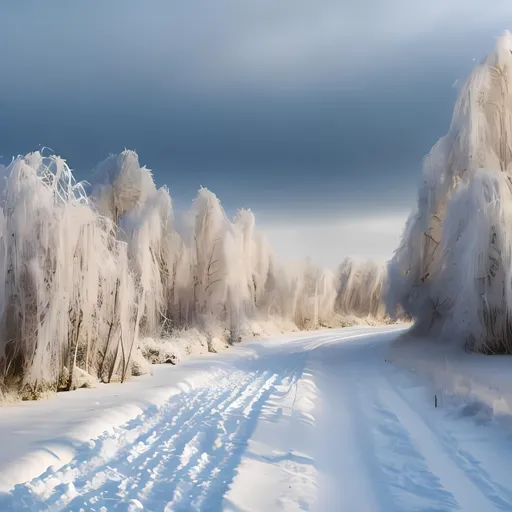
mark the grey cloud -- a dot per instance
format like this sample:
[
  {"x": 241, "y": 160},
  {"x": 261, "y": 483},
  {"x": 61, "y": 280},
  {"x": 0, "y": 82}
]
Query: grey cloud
[
  {"x": 290, "y": 104},
  {"x": 182, "y": 46}
]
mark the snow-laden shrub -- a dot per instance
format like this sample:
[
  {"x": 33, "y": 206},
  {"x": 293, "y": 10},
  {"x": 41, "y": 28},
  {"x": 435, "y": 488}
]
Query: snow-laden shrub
[
  {"x": 183, "y": 343},
  {"x": 452, "y": 270}
]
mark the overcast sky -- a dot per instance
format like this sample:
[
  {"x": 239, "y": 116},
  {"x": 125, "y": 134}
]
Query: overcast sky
[{"x": 316, "y": 114}]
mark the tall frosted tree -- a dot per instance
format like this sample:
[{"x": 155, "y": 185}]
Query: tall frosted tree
[{"x": 452, "y": 269}]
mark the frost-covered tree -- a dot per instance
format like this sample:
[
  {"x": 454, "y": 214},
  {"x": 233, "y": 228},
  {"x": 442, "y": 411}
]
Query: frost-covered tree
[
  {"x": 120, "y": 184},
  {"x": 84, "y": 278},
  {"x": 208, "y": 258},
  {"x": 62, "y": 268},
  {"x": 360, "y": 289},
  {"x": 452, "y": 269}
]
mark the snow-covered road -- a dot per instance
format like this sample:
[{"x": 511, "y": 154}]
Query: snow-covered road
[{"x": 316, "y": 421}]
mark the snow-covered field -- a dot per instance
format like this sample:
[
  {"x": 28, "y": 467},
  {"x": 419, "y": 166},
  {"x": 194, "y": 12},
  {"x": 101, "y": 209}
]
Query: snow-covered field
[{"x": 311, "y": 421}]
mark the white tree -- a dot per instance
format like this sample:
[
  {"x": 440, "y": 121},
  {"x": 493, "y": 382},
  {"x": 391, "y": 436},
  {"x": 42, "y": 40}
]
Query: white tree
[
  {"x": 451, "y": 269},
  {"x": 83, "y": 279}
]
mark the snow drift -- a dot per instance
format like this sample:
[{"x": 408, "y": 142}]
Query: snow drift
[{"x": 452, "y": 272}]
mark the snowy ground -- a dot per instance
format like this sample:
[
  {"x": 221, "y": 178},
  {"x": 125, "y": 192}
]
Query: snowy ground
[{"x": 312, "y": 421}]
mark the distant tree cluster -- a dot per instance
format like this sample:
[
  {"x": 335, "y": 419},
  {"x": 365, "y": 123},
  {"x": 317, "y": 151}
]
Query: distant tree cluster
[{"x": 84, "y": 276}]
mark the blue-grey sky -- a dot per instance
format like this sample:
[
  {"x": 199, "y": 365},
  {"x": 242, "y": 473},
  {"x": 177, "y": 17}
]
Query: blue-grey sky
[{"x": 314, "y": 113}]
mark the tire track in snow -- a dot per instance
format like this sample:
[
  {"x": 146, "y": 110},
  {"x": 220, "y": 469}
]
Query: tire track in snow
[
  {"x": 341, "y": 417},
  {"x": 393, "y": 473},
  {"x": 182, "y": 456},
  {"x": 208, "y": 481},
  {"x": 495, "y": 495},
  {"x": 167, "y": 464},
  {"x": 413, "y": 485},
  {"x": 188, "y": 434},
  {"x": 404, "y": 460},
  {"x": 175, "y": 435},
  {"x": 109, "y": 463},
  {"x": 206, "y": 436}
]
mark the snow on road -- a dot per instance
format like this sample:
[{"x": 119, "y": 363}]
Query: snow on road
[{"x": 315, "y": 421}]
